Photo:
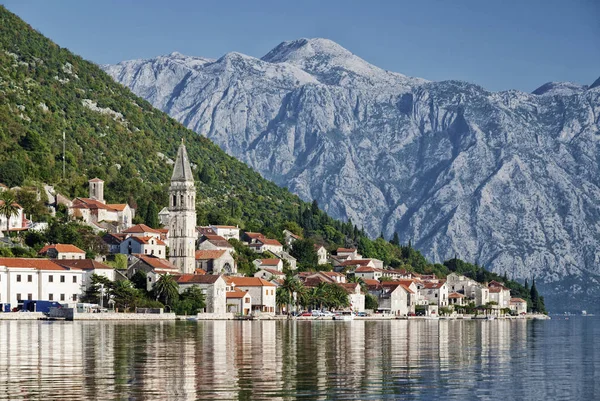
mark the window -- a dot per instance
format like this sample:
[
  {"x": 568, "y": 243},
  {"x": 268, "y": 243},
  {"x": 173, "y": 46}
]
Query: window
[
  {"x": 29, "y": 278},
  {"x": 149, "y": 279},
  {"x": 145, "y": 251},
  {"x": 62, "y": 280},
  {"x": 159, "y": 251},
  {"x": 74, "y": 297},
  {"x": 18, "y": 278},
  {"x": 62, "y": 297},
  {"x": 74, "y": 279},
  {"x": 18, "y": 297},
  {"x": 29, "y": 297},
  {"x": 64, "y": 257},
  {"x": 247, "y": 300},
  {"x": 51, "y": 278},
  {"x": 50, "y": 297}
]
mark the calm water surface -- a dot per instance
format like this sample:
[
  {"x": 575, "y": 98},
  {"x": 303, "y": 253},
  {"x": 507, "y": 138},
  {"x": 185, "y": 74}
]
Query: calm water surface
[{"x": 449, "y": 360}]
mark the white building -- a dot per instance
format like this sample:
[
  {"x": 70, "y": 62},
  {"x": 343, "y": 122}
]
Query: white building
[
  {"x": 142, "y": 230},
  {"x": 261, "y": 291},
  {"x": 227, "y": 232},
  {"x": 143, "y": 245},
  {"x": 209, "y": 242},
  {"x": 268, "y": 274},
  {"x": 50, "y": 280},
  {"x": 435, "y": 292},
  {"x": 355, "y": 296},
  {"x": 518, "y": 305},
  {"x": 62, "y": 251},
  {"x": 15, "y": 222},
  {"x": 321, "y": 254},
  {"x": 182, "y": 214},
  {"x": 275, "y": 264},
  {"x": 239, "y": 302},
  {"x": 499, "y": 294},
  {"x": 163, "y": 217},
  {"x": 266, "y": 244},
  {"x": 290, "y": 237},
  {"x": 213, "y": 287}
]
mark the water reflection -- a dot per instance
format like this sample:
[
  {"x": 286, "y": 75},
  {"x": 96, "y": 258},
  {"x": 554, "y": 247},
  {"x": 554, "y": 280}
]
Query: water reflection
[{"x": 288, "y": 360}]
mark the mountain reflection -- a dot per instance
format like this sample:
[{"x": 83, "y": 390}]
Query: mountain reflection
[{"x": 288, "y": 360}]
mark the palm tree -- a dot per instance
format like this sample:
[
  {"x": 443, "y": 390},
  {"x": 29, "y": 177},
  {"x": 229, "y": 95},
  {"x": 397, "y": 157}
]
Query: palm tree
[
  {"x": 8, "y": 207},
  {"x": 285, "y": 293},
  {"x": 166, "y": 289}
]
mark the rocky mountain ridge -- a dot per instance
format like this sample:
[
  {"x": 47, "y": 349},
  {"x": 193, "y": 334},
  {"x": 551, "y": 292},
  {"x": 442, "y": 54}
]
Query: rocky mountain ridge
[{"x": 509, "y": 180}]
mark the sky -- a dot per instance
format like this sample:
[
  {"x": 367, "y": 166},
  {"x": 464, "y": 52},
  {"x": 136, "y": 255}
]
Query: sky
[{"x": 499, "y": 45}]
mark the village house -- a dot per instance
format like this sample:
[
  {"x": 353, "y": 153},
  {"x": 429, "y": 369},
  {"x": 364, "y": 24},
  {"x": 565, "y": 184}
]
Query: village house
[
  {"x": 261, "y": 291},
  {"x": 290, "y": 237},
  {"x": 321, "y": 254},
  {"x": 518, "y": 306},
  {"x": 210, "y": 242},
  {"x": 143, "y": 245},
  {"x": 239, "y": 302},
  {"x": 95, "y": 212},
  {"x": 153, "y": 266},
  {"x": 266, "y": 244},
  {"x": 214, "y": 288},
  {"x": 142, "y": 230},
  {"x": 499, "y": 294},
  {"x": 62, "y": 251},
  {"x": 348, "y": 253},
  {"x": 16, "y": 222},
  {"x": 163, "y": 217},
  {"x": 393, "y": 297},
  {"x": 283, "y": 255},
  {"x": 227, "y": 232},
  {"x": 435, "y": 292},
  {"x": 251, "y": 238},
  {"x": 204, "y": 230},
  {"x": 269, "y": 274},
  {"x": 43, "y": 279},
  {"x": 275, "y": 264},
  {"x": 113, "y": 242},
  {"x": 216, "y": 261},
  {"x": 352, "y": 264},
  {"x": 355, "y": 296}
]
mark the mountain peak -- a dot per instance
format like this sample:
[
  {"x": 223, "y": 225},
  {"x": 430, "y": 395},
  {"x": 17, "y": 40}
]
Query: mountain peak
[
  {"x": 302, "y": 49},
  {"x": 595, "y": 84},
  {"x": 559, "y": 88}
]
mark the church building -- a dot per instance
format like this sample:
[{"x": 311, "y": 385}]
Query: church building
[{"x": 182, "y": 214}]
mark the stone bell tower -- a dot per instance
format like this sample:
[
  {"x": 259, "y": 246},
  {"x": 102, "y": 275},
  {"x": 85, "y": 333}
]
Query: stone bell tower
[{"x": 182, "y": 214}]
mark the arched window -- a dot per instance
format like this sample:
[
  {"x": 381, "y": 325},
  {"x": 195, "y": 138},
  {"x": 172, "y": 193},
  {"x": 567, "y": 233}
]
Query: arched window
[
  {"x": 174, "y": 200},
  {"x": 182, "y": 201}
]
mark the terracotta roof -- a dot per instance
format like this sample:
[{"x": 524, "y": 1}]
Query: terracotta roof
[
  {"x": 205, "y": 230},
  {"x": 236, "y": 294},
  {"x": 250, "y": 282},
  {"x": 83, "y": 264},
  {"x": 268, "y": 241},
  {"x": 365, "y": 269},
  {"x": 455, "y": 295},
  {"x": 333, "y": 274},
  {"x": 38, "y": 264},
  {"x": 433, "y": 285},
  {"x": 146, "y": 240},
  {"x": 346, "y": 250},
  {"x": 356, "y": 262},
  {"x": 117, "y": 206},
  {"x": 268, "y": 262},
  {"x": 96, "y": 180},
  {"x": 196, "y": 278},
  {"x": 495, "y": 284},
  {"x": 87, "y": 203},
  {"x": 254, "y": 235},
  {"x": 61, "y": 248},
  {"x": 199, "y": 271},
  {"x": 209, "y": 254},
  {"x": 517, "y": 300},
  {"x": 217, "y": 240},
  {"x": 370, "y": 282},
  {"x": 230, "y": 227},
  {"x": 140, "y": 228},
  {"x": 157, "y": 263},
  {"x": 273, "y": 271}
]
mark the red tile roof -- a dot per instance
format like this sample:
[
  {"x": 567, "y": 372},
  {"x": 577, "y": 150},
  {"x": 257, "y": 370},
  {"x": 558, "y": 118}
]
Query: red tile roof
[
  {"x": 268, "y": 241},
  {"x": 209, "y": 254},
  {"x": 38, "y": 264},
  {"x": 96, "y": 180},
  {"x": 269, "y": 262},
  {"x": 61, "y": 248},
  {"x": 254, "y": 235},
  {"x": 230, "y": 227},
  {"x": 146, "y": 240},
  {"x": 157, "y": 263},
  {"x": 140, "y": 228},
  {"x": 83, "y": 264},
  {"x": 517, "y": 300},
  {"x": 250, "y": 282},
  {"x": 196, "y": 278},
  {"x": 346, "y": 250},
  {"x": 356, "y": 262},
  {"x": 455, "y": 295},
  {"x": 87, "y": 203},
  {"x": 236, "y": 294},
  {"x": 117, "y": 206}
]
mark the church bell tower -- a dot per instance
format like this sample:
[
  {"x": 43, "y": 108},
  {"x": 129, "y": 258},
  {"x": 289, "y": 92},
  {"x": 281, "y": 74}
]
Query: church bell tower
[{"x": 182, "y": 214}]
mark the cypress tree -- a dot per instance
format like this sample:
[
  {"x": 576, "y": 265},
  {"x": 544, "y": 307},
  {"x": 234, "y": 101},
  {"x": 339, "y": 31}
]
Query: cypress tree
[
  {"x": 535, "y": 303},
  {"x": 151, "y": 217},
  {"x": 395, "y": 240}
]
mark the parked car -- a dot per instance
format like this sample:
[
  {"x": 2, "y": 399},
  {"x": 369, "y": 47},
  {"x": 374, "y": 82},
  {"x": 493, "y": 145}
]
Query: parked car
[
  {"x": 306, "y": 314},
  {"x": 327, "y": 313},
  {"x": 361, "y": 314}
]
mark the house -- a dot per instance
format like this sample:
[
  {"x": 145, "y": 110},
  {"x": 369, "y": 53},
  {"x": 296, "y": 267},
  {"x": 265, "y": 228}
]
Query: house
[
  {"x": 15, "y": 222},
  {"x": 348, "y": 253},
  {"x": 215, "y": 261},
  {"x": 499, "y": 294},
  {"x": 239, "y": 302},
  {"x": 89, "y": 267},
  {"x": 261, "y": 291},
  {"x": 143, "y": 245},
  {"x": 227, "y": 232},
  {"x": 113, "y": 242},
  {"x": 393, "y": 297},
  {"x": 463, "y": 285},
  {"x": 62, "y": 251},
  {"x": 351, "y": 264},
  {"x": 336, "y": 277},
  {"x": 215, "y": 243},
  {"x": 214, "y": 288},
  {"x": 290, "y": 237},
  {"x": 365, "y": 269},
  {"x": 43, "y": 279},
  {"x": 142, "y": 230},
  {"x": 321, "y": 254},
  {"x": 435, "y": 292},
  {"x": 266, "y": 244},
  {"x": 94, "y": 210},
  {"x": 163, "y": 217},
  {"x": 153, "y": 266},
  {"x": 274, "y": 264},
  {"x": 518, "y": 305},
  {"x": 355, "y": 296},
  {"x": 251, "y": 238},
  {"x": 283, "y": 255},
  {"x": 268, "y": 274},
  {"x": 202, "y": 231}
]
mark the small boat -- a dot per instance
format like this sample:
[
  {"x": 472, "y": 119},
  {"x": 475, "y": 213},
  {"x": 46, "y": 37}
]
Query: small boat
[
  {"x": 344, "y": 317},
  {"x": 491, "y": 317}
]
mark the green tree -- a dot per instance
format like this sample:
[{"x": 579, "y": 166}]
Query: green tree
[
  {"x": 191, "y": 301},
  {"x": 11, "y": 173},
  {"x": 120, "y": 261},
  {"x": 140, "y": 280},
  {"x": 207, "y": 174},
  {"x": 166, "y": 289},
  {"x": 151, "y": 217},
  {"x": 395, "y": 239},
  {"x": 304, "y": 251},
  {"x": 8, "y": 207},
  {"x": 125, "y": 295},
  {"x": 285, "y": 292},
  {"x": 371, "y": 302}
]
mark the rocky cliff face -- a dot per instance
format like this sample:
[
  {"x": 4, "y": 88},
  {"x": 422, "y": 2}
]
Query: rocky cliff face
[{"x": 509, "y": 180}]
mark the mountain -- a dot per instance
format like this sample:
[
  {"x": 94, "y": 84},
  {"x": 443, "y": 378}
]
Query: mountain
[{"x": 508, "y": 179}]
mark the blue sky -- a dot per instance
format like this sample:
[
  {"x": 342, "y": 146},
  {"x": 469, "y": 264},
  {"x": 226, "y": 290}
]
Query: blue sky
[{"x": 500, "y": 45}]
